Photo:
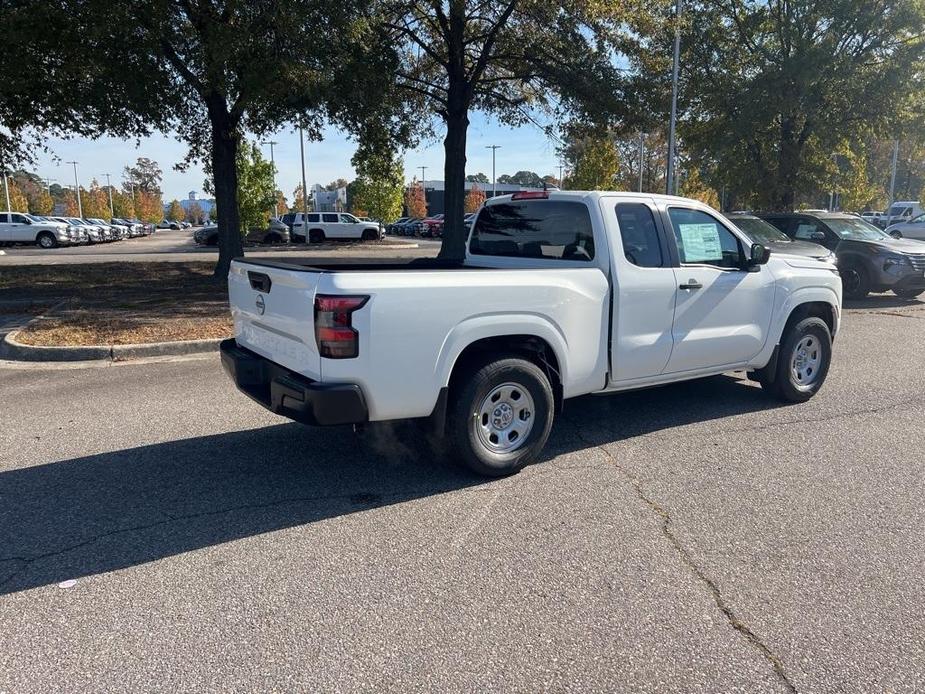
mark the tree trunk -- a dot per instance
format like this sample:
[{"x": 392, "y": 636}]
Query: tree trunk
[
  {"x": 225, "y": 140},
  {"x": 454, "y": 186},
  {"x": 788, "y": 164}
]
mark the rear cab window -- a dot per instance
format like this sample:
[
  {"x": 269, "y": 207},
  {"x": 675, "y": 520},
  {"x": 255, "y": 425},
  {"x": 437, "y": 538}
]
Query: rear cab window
[{"x": 544, "y": 229}]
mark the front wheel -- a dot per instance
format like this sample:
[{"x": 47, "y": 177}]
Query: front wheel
[
  {"x": 908, "y": 293},
  {"x": 501, "y": 416},
  {"x": 802, "y": 361},
  {"x": 855, "y": 283},
  {"x": 47, "y": 240}
]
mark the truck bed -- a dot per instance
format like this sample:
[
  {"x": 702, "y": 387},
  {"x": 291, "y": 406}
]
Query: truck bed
[{"x": 360, "y": 264}]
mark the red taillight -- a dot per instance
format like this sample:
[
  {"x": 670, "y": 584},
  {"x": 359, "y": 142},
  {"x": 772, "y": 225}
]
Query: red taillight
[
  {"x": 531, "y": 195},
  {"x": 334, "y": 332}
]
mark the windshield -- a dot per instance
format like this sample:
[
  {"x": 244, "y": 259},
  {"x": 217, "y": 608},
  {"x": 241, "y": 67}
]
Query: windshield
[
  {"x": 33, "y": 218},
  {"x": 759, "y": 230},
  {"x": 854, "y": 229}
]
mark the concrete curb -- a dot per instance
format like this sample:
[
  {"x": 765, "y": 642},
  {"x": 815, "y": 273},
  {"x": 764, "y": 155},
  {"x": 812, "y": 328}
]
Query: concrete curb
[{"x": 12, "y": 349}]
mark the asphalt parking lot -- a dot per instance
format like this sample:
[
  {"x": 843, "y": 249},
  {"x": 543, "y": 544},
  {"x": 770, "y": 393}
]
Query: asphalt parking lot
[
  {"x": 170, "y": 245},
  {"x": 161, "y": 532}
]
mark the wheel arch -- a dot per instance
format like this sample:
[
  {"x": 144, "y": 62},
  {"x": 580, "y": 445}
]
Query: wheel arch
[{"x": 531, "y": 337}]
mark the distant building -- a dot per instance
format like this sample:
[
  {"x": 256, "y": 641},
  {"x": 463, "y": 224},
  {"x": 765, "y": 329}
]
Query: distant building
[
  {"x": 434, "y": 191},
  {"x": 205, "y": 204},
  {"x": 328, "y": 200}
]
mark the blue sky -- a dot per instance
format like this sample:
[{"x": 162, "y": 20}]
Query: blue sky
[{"x": 521, "y": 148}]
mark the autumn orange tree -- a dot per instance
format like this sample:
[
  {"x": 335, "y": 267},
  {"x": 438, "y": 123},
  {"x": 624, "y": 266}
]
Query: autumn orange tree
[
  {"x": 415, "y": 200},
  {"x": 95, "y": 201},
  {"x": 475, "y": 198},
  {"x": 18, "y": 202},
  {"x": 176, "y": 211}
]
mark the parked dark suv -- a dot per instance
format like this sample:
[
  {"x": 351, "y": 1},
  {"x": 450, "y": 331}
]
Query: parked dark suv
[
  {"x": 771, "y": 237},
  {"x": 868, "y": 259}
]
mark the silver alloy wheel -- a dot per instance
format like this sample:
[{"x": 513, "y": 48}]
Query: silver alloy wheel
[
  {"x": 505, "y": 418},
  {"x": 46, "y": 241},
  {"x": 806, "y": 361}
]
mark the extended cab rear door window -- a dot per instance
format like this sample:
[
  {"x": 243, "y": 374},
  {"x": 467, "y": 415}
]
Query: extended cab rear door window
[
  {"x": 641, "y": 245},
  {"x": 702, "y": 240},
  {"x": 547, "y": 229}
]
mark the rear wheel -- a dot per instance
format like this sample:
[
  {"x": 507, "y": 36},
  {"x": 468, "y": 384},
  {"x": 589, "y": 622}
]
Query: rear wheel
[
  {"x": 854, "y": 280},
  {"x": 802, "y": 361},
  {"x": 47, "y": 240},
  {"x": 501, "y": 416},
  {"x": 908, "y": 293},
  {"x": 316, "y": 236}
]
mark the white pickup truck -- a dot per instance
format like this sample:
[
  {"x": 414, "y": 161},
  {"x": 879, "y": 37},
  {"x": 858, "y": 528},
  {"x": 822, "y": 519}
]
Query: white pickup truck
[{"x": 561, "y": 294}]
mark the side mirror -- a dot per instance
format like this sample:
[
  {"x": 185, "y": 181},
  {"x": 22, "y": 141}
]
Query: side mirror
[
  {"x": 817, "y": 236},
  {"x": 759, "y": 255}
]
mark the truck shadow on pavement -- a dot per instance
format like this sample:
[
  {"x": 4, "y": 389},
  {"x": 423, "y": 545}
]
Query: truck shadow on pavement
[{"x": 100, "y": 513}]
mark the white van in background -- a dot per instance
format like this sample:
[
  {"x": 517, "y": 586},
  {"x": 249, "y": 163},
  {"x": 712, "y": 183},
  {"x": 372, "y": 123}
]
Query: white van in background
[
  {"x": 330, "y": 225},
  {"x": 902, "y": 211}
]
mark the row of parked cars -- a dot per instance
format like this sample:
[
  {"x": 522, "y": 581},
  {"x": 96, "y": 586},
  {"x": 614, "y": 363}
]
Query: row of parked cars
[
  {"x": 869, "y": 259},
  {"x": 51, "y": 231},
  {"x": 426, "y": 227}
]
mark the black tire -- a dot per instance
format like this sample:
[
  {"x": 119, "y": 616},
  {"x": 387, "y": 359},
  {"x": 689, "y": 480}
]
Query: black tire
[
  {"x": 464, "y": 423},
  {"x": 46, "y": 240},
  {"x": 896, "y": 234},
  {"x": 786, "y": 386},
  {"x": 369, "y": 235},
  {"x": 855, "y": 281},
  {"x": 908, "y": 293},
  {"x": 271, "y": 238},
  {"x": 316, "y": 236}
]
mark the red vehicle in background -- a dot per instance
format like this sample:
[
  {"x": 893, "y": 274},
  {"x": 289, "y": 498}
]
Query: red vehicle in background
[{"x": 432, "y": 226}]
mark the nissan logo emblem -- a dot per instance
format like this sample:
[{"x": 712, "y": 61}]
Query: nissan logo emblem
[{"x": 261, "y": 304}]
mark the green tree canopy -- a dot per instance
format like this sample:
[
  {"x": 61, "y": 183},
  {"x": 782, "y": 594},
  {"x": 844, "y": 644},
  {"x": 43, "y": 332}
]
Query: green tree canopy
[
  {"x": 380, "y": 183},
  {"x": 505, "y": 58},
  {"x": 769, "y": 90}
]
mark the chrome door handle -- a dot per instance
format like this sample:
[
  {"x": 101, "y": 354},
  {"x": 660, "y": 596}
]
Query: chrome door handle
[{"x": 691, "y": 284}]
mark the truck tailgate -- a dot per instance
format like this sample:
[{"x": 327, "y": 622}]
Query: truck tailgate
[{"x": 273, "y": 311}]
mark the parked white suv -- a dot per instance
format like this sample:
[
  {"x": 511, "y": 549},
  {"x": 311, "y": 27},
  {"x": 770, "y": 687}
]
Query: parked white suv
[
  {"x": 562, "y": 293},
  {"x": 19, "y": 227},
  {"x": 331, "y": 225}
]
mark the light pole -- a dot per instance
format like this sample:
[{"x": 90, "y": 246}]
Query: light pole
[
  {"x": 892, "y": 180},
  {"x": 80, "y": 208},
  {"x": 112, "y": 211},
  {"x": 832, "y": 193},
  {"x": 670, "y": 178},
  {"x": 273, "y": 164},
  {"x": 424, "y": 187},
  {"x": 304, "y": 186},
  {"x": 494, "y": 184},
  {"x": 6, "y": 191},
  {"x": 642, "y": 154}
]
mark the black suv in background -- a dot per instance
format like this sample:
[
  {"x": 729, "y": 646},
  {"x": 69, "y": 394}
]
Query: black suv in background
[
  {"x": 868, "y": 259},
  {"x": 771, "y": 237}
]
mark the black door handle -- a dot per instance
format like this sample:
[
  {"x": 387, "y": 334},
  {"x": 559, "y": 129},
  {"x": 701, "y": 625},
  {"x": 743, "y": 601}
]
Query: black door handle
[{"x": 692, "y": 284}]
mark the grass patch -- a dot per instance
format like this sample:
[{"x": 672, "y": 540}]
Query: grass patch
[{"x": 121, "y": 303}]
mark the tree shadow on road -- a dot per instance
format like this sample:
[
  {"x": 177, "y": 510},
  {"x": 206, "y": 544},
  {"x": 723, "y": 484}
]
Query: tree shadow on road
[{"x": 115, "y": 510}]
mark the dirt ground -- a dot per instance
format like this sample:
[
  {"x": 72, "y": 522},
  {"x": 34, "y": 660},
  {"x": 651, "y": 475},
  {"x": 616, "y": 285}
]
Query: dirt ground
[{"x": 118, "y": 303}]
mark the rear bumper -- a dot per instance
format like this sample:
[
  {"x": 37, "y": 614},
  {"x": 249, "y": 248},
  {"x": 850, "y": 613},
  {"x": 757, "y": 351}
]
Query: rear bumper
[{"x": 292, "y": 395}]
